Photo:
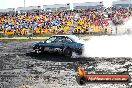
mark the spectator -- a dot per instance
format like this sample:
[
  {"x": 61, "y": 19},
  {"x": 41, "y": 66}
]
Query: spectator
[{"x": 78, "y": 21}]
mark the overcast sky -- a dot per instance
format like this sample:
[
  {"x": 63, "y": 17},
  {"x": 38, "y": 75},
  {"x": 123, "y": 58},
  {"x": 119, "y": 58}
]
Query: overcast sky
[{"x": 20, "y": 3}]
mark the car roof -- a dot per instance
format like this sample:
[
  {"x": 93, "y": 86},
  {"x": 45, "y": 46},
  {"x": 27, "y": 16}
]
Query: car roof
[
  {"x": 63, "y": 35},
  {"x": 72, "y": 37}
]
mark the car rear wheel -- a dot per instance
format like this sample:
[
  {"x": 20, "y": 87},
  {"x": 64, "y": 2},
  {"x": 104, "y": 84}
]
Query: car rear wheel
[{"x": 68, "y": 52}]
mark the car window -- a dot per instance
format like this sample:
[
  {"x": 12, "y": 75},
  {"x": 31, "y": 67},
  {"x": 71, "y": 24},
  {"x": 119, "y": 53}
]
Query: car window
[
  {"x": 68, "y": 40},
  {"x": 59, "y": 39},
  {"x": 51, "y": 40}
]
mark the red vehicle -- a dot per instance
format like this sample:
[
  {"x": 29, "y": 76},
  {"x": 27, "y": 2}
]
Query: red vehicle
[{"x": 83, "y": 78}]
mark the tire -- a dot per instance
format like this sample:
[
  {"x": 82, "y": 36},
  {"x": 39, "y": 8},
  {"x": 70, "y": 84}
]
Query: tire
[
  {"x": 67, "y": 52},
  {"x": 79, "y": 52}
]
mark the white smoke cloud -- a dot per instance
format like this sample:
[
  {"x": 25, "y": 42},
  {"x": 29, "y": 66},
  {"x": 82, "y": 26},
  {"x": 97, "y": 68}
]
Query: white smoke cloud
[
  {"x": 127, "y": 27},
  {"x": 111, "y": 46}
]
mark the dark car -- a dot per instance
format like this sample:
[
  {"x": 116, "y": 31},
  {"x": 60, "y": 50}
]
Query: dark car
[{"x": 65, "y": 44}]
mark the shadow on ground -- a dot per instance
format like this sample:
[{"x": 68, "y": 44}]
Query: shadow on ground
[{"x": 57, "y": 57}]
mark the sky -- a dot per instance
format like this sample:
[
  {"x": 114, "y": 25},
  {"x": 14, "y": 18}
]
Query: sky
[{"x": 20, "y": 3}]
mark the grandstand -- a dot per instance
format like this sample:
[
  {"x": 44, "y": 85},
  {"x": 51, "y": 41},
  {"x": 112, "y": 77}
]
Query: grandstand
[
  {"x": 56, "y": 7},
  {"x": 87, "y": 5},
  {"x": 122, "y": 4},
  {"x": 88, "y": 17},
  {"x": 28, "y": 9},
  {"x": 7, "y": 11}
]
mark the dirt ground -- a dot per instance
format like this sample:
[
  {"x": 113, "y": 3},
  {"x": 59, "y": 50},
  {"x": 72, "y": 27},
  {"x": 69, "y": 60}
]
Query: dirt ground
[{"x": 21, "y": 68}]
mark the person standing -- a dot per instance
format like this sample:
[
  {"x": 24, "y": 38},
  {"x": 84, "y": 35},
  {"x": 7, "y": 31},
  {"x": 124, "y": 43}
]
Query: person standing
[
  {"x": 105, "y": 31},
  {"x": 81, "y": 71},
  {"x": 116, "y": 30}
]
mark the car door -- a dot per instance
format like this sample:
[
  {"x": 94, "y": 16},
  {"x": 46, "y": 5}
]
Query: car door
[
  {"x": 48, "y": 44},
  {"x": 58, "y": 44},
  {"x": 68, "y": 42}
]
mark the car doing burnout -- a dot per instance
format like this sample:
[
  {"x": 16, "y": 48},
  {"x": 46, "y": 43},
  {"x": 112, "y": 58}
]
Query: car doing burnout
[{"x": 65, "y": 44}]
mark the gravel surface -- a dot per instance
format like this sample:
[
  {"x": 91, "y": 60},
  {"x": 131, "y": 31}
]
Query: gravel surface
[{"x": 21, "y": 68}]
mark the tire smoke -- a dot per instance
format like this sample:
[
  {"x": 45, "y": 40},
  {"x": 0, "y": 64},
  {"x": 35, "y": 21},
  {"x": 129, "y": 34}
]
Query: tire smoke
[{"x": 110, "y": 46}]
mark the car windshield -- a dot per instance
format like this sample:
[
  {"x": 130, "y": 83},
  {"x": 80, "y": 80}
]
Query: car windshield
[{"x": 76, "y": 39}]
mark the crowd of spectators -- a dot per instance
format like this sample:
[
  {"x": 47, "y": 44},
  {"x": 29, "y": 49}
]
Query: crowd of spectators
[
  {"x": 120, "y": 15},
  {"x": 64, "y": 22}
]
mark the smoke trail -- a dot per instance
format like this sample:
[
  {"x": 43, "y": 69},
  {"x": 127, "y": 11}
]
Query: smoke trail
[
  {"x": 110, "y": 46},
  {"x": 125, "y": 28}
]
